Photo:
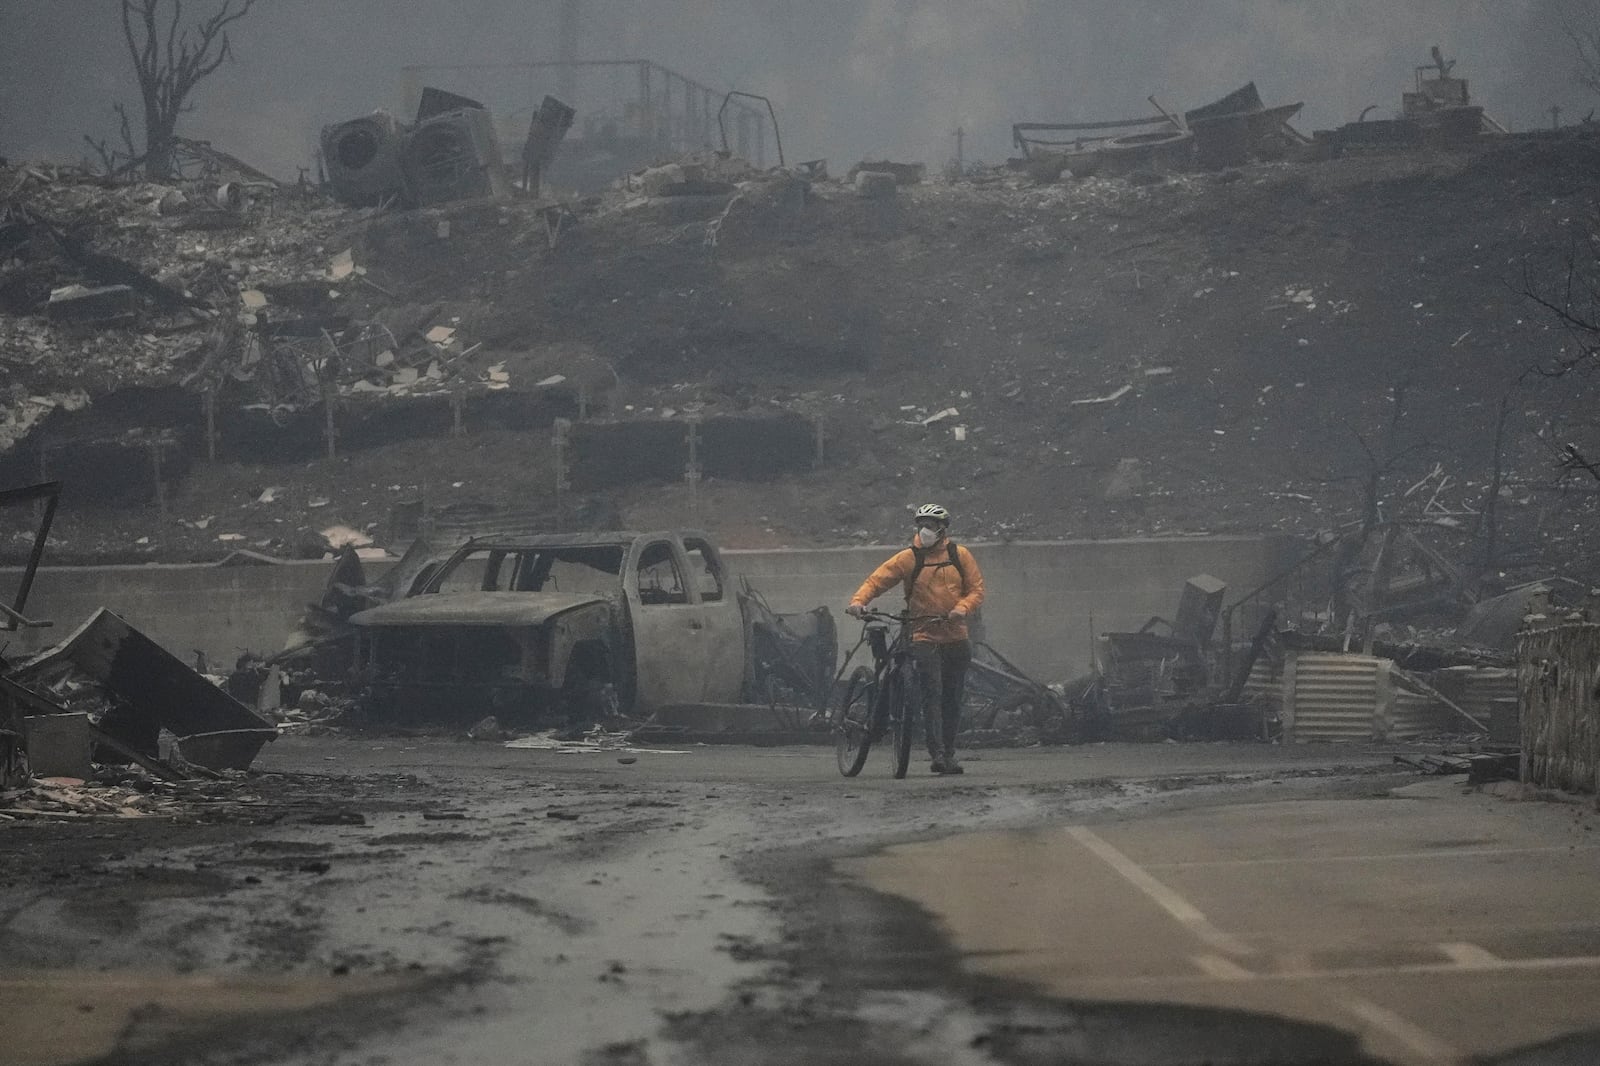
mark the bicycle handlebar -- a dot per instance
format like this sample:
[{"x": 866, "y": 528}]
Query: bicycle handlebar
[{"x": 903, "y": 619}]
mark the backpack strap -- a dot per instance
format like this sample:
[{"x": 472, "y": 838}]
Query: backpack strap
[{"x": 921, "y": 555}]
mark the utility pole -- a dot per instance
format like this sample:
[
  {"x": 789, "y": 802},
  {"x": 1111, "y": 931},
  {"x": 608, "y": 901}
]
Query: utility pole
[
  {"x": 961, "y": 153},
  {"x": 1555, "y": 116},
  {"x": 570, "y": 34}
]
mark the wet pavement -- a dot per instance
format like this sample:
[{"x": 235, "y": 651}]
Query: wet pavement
[
  {"x": 401, "y": 900},
  {"x": 1438, "y": 926}
]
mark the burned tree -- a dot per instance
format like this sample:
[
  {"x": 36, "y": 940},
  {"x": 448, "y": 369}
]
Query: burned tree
[
  {"x": 1581, "y": 24},
  {"x": 170, "y": 60},
  {"x": 1567, "y": 288},
  {"x": 1573, "y": 301}
]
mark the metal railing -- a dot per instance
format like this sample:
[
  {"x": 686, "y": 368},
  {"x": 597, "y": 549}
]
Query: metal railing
[{"x": 657, "y": 104}]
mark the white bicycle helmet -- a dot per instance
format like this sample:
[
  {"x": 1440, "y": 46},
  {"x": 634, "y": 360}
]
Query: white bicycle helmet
[{"x": 932, "y": 512}]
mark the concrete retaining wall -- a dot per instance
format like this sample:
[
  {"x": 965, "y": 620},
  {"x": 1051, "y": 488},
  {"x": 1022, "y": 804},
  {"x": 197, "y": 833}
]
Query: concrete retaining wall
[
  {"x": 1045, "y": 599},
  {"x": 219, "y": 610}
]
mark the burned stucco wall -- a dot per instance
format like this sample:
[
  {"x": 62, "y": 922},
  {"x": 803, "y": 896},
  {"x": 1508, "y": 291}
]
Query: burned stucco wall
[{"x": 1046, "y": 599}]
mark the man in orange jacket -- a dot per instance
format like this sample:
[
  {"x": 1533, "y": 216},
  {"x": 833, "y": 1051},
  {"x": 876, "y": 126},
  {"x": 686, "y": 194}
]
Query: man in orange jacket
[{"x": 940, "y": 577}]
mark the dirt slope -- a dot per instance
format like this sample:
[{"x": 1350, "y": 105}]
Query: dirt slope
[{"x": 1259, "y": 331}]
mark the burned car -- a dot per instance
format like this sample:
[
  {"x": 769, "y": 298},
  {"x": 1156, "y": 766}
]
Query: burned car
[{"x": 557, "y": 628}]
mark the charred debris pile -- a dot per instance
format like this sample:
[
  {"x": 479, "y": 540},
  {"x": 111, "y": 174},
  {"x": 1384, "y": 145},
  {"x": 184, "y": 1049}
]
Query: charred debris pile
[
  {"x": 1201, "y": 320},
  {"x": 108, "y": 708}
]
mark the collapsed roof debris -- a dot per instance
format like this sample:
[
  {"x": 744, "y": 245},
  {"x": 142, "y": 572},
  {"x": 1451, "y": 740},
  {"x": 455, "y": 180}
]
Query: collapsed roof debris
[{"x": 1232, "y": 131}]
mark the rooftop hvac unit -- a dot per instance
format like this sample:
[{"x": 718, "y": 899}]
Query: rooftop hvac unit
[
  {"x": 454, "y": 156},
  {"x": 363, "y": 158}
]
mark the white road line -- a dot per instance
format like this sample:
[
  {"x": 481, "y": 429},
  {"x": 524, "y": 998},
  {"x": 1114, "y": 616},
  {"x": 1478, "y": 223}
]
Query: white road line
[
  {"x": 1220, "y": 968},
  {"x": 1470, "y": 956},
  {"x": 1291, "y": 860},
  {"x": 1573, "y": 962},
  {"x": 1165, "y": 898},
  {"x": 1423, "y": 1047}
]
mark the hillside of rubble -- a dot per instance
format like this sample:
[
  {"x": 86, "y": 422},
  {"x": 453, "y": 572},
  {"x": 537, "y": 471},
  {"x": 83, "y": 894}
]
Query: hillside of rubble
[{"x": 1263, "y": 348}]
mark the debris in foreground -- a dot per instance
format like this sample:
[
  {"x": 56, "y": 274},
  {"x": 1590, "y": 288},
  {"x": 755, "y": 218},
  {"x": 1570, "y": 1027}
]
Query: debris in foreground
[
  {"x": 1481, "y": 767},
  {"x": 149, "y": 691}
]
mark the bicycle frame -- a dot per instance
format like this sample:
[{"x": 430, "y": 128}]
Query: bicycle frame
[
  {"x": 890, "y": 656},
  {"x": 895, "y": 694}
]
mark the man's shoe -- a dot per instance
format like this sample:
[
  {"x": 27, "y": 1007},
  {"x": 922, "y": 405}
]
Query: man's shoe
[
  {"x": 952, "y": 767},
  {"x": 938, "y": 765}
]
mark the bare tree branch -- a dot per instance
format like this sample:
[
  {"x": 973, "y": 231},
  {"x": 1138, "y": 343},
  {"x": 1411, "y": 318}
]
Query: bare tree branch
[
  {"x": 1575, "y": 307},
  {"x": 170, "y": 63},
  {"x": 1573, "y": 459},
  {"x": 1581, "y": 24}
]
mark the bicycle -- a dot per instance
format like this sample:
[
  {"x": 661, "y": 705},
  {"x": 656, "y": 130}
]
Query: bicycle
[{"x": 882, "y": 698}]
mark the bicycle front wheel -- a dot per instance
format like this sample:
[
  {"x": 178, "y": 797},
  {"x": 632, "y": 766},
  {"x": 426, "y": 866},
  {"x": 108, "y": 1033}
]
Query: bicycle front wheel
[
  {"x": 852, "y": 722},
  {"x": 904, "y": 713}
]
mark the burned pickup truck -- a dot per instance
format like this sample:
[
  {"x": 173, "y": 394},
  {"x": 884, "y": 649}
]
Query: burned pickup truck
[{"x": 564, "y": 628}]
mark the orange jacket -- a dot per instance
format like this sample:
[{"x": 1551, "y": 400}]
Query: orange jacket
[{"x": 940, "y": 589}]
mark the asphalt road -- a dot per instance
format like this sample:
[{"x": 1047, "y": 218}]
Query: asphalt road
[
  {"x": 1439, "y": 926},
  {"x": 394, "y": 900}
]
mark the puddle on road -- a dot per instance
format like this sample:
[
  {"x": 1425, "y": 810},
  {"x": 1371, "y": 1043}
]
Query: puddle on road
[{"x": 57, "y": 1017}]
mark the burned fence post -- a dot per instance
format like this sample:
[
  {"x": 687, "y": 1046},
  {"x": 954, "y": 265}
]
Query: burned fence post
[
  {"x": 330, "y": 427},
  {"x": 161, "y": 490},
  {"x": 44, "y": 474},
  {"x": 561, "y": 439},
  {"x": 210, "y": 402},
  {"x": 692, "y": 469}
]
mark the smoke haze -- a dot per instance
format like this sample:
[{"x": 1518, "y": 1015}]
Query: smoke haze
[{"x": 850, "y": 78}]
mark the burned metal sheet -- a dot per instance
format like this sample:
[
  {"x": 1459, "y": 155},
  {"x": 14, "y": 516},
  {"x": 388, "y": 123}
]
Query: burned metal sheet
[
  {"x": 545, "y": 132},
  {"x": 151, "y": 689}
]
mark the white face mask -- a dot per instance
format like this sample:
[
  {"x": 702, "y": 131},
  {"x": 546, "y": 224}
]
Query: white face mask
[{"x": 927, "y": 538}]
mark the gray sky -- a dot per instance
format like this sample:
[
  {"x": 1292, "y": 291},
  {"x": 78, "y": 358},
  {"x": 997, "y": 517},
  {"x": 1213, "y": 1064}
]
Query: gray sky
[{"x": 850, "y": 78}]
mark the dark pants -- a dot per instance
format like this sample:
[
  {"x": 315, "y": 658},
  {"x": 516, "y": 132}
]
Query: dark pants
[{"x": 942, "y": 672}]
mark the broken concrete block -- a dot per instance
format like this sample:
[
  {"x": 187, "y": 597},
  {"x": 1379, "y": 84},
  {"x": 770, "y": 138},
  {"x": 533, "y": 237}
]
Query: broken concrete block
[
  {"x": 875, "y": 185},
  {"x": 102, "y": 306},
  {"x": 342, "y": 265}
]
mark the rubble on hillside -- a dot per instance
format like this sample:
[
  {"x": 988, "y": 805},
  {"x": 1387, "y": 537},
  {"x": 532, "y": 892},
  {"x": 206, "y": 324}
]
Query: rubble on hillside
[{"x": 1186, "y": 323}]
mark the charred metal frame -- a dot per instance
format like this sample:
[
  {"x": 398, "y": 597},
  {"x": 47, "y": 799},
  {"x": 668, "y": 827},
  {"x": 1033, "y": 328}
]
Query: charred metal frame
[
  {"x": 50, "y": 493},
  {"x": 674, "y": 109},
  {"x": 1026, "y": 144},
  {"x": 722, "y": 125}
]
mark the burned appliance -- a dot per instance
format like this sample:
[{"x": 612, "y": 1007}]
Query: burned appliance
[
  {"x": 362, "y": 157},
  {"x": 454, "y": 155}
]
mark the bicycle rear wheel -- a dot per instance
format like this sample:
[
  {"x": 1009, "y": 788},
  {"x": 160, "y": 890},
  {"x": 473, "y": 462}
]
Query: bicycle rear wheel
[
  {"x": 852, "y": 722},
  {"x": 904, "y": 714}
]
